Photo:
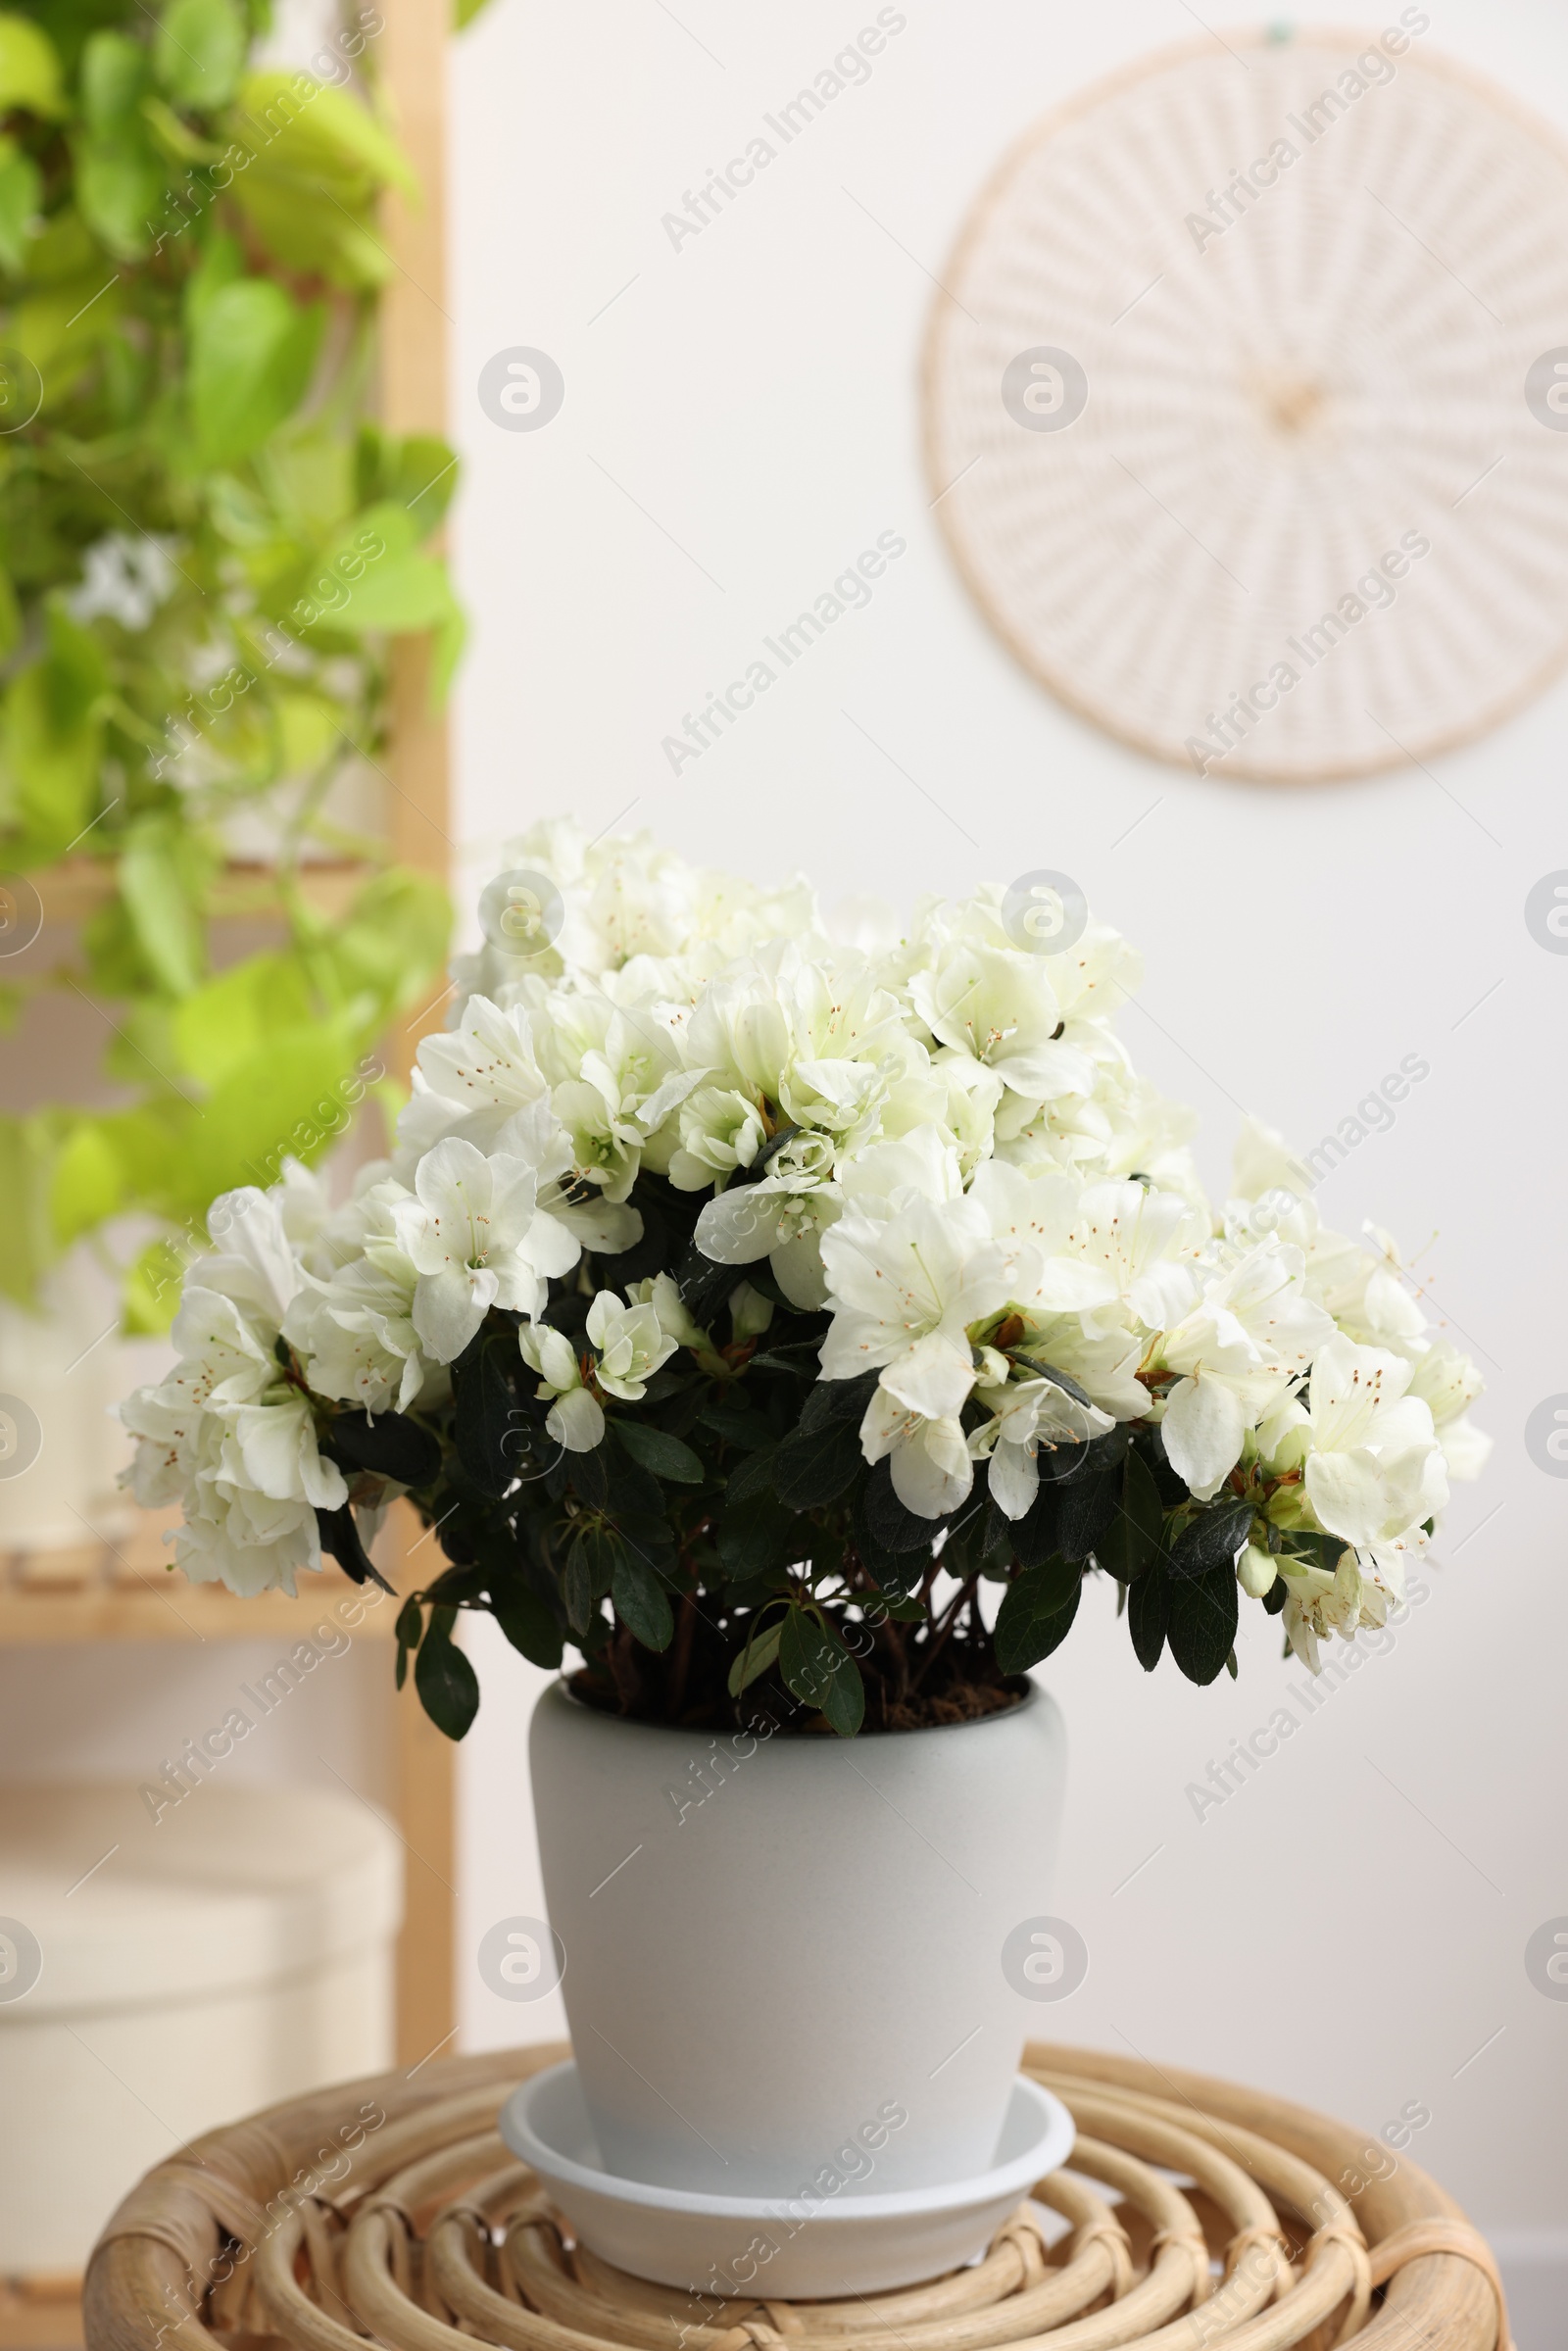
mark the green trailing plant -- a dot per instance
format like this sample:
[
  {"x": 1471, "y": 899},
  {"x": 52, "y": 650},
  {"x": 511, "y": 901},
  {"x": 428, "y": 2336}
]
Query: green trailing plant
[{"x": 205, "y": 551}]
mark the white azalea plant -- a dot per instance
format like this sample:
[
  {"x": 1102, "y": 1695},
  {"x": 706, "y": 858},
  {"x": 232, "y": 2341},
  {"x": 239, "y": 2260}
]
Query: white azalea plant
[{"x": 792, "y": 1326}]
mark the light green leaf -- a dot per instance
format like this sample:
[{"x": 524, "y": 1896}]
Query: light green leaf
[
  {"x": 252, "y": 352},
  {"x": 155, "y": 884},
  {"x": 114, "y": 76},
  {"x": 373, "y": 578},
  {"x": 392, "y": 945},
  {"x": 318, "y": 160},
  {"x": 199, "y": 52},
  {"x": 24, "y": 1247},
  {"x": 119, "y": 184},
  {"x": 231, "y": 1016},
  {"x": 318, "y": 132},
  {"x": 10, "y": 616},
  {"x": 287, "y": 1100},
  {"x": 20, "y": 193},
  {"x": 87, "y": 1182},
  {"x": 61, "y": 328},
  {"x": 755, "y": 1658},
  {"x": 53, "y": 736},
  {"x": 220, "y": 264},
  {"x": 150, "y": 1294},
  {"x": 174, "y": 136},
  {"x": 29, "y": 68}
]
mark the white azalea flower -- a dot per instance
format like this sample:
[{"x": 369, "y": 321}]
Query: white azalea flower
[
  {"x": 275, "y": 1441},
  {"x": 575, "y": 1419},
  {"x": 253, "y": 1261},
  {"x": 465, "y": 1232},
  {"x": 1448, "y": 1383},
  {"x": 905, "y": 1292},
  {"x": 630, "y": 1345},
  {"x": 470, "y": 1081},
  {"x": 998, "y": 1007},
  {"x": 722, "y": 1129},
  {"x": 1375, "y": 1468},
  {"x": 234, "y": 1534},
  {"x": 1145, "y": 1245},
  {"x": 1254, "y": 1329},
  {"x": 224, "y": 1364},
  {"x": 929, "y": 1458},
  {"x": 1027, "y": 1414},
  {"x": 662, "y": 1294},
  {"x": 774, "y": 1218}
]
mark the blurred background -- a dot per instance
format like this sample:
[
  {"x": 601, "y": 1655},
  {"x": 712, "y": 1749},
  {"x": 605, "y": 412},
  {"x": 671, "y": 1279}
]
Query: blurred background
[{"x": 1356, "y": 1918}]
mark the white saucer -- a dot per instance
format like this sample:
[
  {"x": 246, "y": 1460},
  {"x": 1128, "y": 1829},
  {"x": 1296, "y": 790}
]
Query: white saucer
[{"x": 780, "y": 2248}]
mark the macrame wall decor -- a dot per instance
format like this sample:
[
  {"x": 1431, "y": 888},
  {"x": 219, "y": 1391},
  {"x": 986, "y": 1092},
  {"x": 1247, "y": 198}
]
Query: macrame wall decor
[{"x": 1247, "y": 403}]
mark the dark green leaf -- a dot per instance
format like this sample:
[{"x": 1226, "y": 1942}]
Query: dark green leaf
[
  {"x": 801, "y": 1357},
  {"x": 1212, "y": 1540},
  {"x": 1203, "y": 1614},
  {"x": 641, "y": 1603},
  {"x": 705, "y": 1286},
  {"x": 1169, "y": 1483},
  {"x": 751, "y": 1476},
  {"x": 1148, "y": 1614},
  {"x": 588, "y": 1477},
  {"x": 340, "y": 1537},
  {"x": 448, "y": 1687},
  {"x": 813, "y": 1466},
  {"x": 486, "y": 1410},
  {"x": 530, "y": 1626},
  {"x": 831, "y": 1402},
  {"x": 458, "y": 1583},
  {"x": 1275, "y": 1597},
  {"x": 754, "y": 1537},
  {"x": 737, "y": 1424},
  {"x": 1037, "y": 1536},
  {"x": 1088, "y": 1507},
  {"x": 1037, "y": 1613},
  {"x": 658, "y": 1452},
  {"x": 631, "y": 1491},
  {"x": 391, "y": 1446},
  {"x": 590, "y": 1571},
  {"x": 1059, "y": 1379},
  {"x": 653, "y": 1536},
  {"x": 818, "y": 1669},
  {"x": 409, "y": 1629},
  {"x": 1132, "y": 1541}
]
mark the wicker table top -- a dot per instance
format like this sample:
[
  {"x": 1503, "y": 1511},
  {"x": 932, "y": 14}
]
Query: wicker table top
[{"x": 1197, "y": 2213}]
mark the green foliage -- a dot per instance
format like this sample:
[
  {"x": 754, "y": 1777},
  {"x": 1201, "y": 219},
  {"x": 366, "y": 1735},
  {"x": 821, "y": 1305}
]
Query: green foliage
[{"x": 204, "y": 552}]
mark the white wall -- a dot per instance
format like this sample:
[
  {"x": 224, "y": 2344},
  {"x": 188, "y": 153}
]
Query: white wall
[{"x": 739, "y": 421}]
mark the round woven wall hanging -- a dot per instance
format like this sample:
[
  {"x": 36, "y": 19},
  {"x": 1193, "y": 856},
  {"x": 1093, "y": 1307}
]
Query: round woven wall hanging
[{"x": 1247, "y": 403}]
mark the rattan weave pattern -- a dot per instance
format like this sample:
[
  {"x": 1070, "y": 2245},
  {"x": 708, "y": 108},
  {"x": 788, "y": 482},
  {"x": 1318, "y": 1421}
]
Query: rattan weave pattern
[{"x": 1198, "y": 2214}]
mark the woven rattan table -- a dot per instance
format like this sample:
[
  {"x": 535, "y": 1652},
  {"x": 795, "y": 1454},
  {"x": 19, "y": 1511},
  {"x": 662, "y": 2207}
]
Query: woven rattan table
[{"x": 1197, "y": 2214}]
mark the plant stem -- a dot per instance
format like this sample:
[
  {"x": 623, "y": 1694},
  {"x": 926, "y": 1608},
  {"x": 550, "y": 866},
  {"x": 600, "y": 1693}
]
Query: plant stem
[
  {"x": 681, "y": 1657},
  {"x": 950, "y": 1618}
]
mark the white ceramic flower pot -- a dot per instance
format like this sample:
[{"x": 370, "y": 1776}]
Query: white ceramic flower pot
[{"x": 777, "y": 1950}]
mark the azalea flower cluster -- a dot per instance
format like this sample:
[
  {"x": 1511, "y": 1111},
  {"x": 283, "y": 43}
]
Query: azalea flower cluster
[{"x": 723, "y": 1264}]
